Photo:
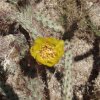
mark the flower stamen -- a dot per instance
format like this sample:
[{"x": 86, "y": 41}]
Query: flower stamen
[{"x": 47, "y": 52}]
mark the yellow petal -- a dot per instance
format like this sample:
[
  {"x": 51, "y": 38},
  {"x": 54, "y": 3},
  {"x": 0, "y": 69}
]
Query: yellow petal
[
  {"x": 39, "y": 40},
  {"x": 34, "y": 50},
  {"x": 53, "y": 40}
]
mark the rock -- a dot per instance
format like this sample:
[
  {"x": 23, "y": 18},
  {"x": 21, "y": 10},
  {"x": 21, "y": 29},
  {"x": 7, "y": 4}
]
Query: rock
[
  {"x": 94, "y": 14},
  {"x": 12, "y": 50},
  {"x": 13, "y": 46}
]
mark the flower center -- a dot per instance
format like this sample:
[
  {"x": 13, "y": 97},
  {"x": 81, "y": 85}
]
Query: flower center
[{"x": 47, "y": 52}]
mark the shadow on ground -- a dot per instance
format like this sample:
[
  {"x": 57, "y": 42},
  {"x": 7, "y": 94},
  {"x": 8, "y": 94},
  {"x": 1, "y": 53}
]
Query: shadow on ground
[
  {"x": 6, "y": 88},
  {"x": 89, "y": 87}
]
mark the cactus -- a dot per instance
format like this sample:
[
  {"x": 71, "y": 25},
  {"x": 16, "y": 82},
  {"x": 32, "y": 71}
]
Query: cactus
[
  {"x": 47, "y": 22},
  {"x": 24, "y": 16},
  {"x": 67, "y": 79}
]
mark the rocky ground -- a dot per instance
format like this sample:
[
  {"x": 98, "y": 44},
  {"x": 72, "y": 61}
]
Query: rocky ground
[{"x": 76, "y": 76}]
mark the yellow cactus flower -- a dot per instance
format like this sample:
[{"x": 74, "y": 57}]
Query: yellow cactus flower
[{"x": 47, "y": 51}]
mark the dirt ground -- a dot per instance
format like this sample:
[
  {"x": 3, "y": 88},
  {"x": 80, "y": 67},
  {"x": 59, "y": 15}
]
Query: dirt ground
[{"x": 76, "y": 76}]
